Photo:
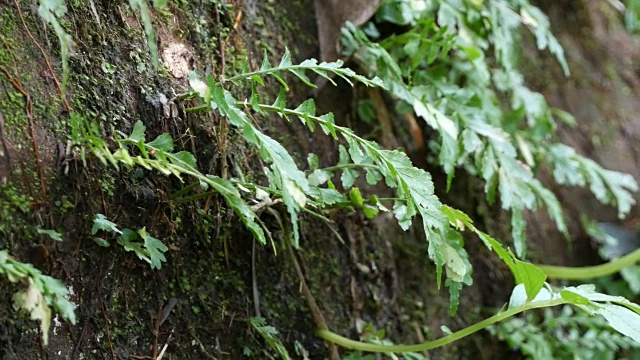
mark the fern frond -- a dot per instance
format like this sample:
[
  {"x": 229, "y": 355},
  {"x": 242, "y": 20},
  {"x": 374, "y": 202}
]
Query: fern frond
[
  {"x": 50, "y": 11},
  {"x": 323, "y": 69}
]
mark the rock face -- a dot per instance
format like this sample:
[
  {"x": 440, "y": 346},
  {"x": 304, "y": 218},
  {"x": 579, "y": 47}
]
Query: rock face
[
  {"x": 600, "y": 94},
  {"x": 332, "y": 14}
]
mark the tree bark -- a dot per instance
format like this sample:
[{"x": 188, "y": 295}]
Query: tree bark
[{"x": 358, "y": 271}]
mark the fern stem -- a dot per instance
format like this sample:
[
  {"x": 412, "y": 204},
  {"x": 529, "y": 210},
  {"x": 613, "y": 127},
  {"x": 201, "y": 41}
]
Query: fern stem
[
  {"x": 362, "y": 346},
  {"x": 590, "y": 272},
  {"x": 268, "y": 71},
  {"x": 343, "y": 130},
  {"x": 351, "y": 166}
]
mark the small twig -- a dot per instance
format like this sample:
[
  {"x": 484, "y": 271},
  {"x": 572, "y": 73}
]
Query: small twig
[
  {"x": 223, "y": 64},
  {"x": 156, "y": 333},
  {"x": 238, "y": 19},
  {"x": 3, "y": 137},
  {"x": 254, "y": 281},
  {"x": 335, "y": 232},
  {"x": 164, "y": 348},
  {"x": 316, "y": 313},
  {"x": 99, "y": 286},
  {"x": 106, "y": 325},
  {"x": 79, "y": 342},
  {"x": 204, "y": 351},
  {"x": 161, "y": 317},
  {"x": 420, "y": 336}
]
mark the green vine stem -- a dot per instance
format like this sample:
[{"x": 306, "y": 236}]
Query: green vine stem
[
  {"x": 590, "y": 272},
  {"x": 362, "y": 346},
  {"x": 558, "y": 272}
]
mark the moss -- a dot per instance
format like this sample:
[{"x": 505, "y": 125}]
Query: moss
[{"x": 113, "y": 83}]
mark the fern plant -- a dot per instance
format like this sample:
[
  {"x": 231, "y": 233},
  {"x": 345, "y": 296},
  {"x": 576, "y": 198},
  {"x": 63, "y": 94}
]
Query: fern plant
[
  {"x": 562, "y": 334},
  {"x": 300, "y": 192},
  {"x": 465, "y": 85},
  {"x": 41, "y": 293},
  {"x": 414, "y": 188},
  {"x": 424, "y": 70},
  {"x": 50, "y": 11},
  {"x": 150, "y": 250}
]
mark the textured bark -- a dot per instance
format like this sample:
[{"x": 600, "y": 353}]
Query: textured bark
[{"x": 359, "y": 271}]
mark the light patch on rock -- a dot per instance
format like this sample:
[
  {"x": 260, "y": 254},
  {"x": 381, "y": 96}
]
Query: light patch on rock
[
  {"x": 56, "y": 325},
  {"x": 176, "y": 58}
]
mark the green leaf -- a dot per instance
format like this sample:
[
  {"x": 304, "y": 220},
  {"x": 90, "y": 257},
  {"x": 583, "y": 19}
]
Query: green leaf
[
  {"x": 137, "y": 134},
  {"x": 554, "y": 207},
  {"x": 454, "y": 295},
  {"x": 356, "y": 197},
  {"x": 100, "y": 222},
  {"x": 419, "y": 186},
  {"x": 308, "y": 65},
  {"x": 270, "y": 335},
  {"x": 454, "y": 264},
  {"x": 63, "y": 306},
  {"x": 538, "y": 22},
  {"x": 54, "y": 235},
  {"x": 145, "y": 16},
  {"x": 403, "y": 214},
  {"x": 239, "y": 206},
  {"x": 50, "y": 11},
  {"x": 331, "y": 196},
  {"x": 344, "y": 155},
  {"x": 518, "y": 231},
  {"x": 291, "y": 180},
  {"x": 372, "y": 176},
  {"x": 101, "y": 242},
  {"x": 32, "y": 300},
  {"x": 518, "y": 297},
  {"x": 313, "y": 161},
  {"x": 349, "y": 177},
  {"x": 622, "y": 320},
  {"x": 620, "y": 313},
  {"x": 184, "y": 159},
  {"x": 574, "y": 298},
  {"x": 163, "y": 142},
  {"x": 319, "y": 177},
  {"x": 155, "y": 249},
  {"x": 286, "y": 59},
  {"x": 457, "y": 218},
  {"x": 226, "y": 106},
  {"x": 200, "y": 87},
  {"x": 41, "y": 291},
  {"x": 531, "y": 276},
  {"x": 129, "y": 242},
  {"x": 370, "y": 211},
  {"x": 159, "y": 4}
]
